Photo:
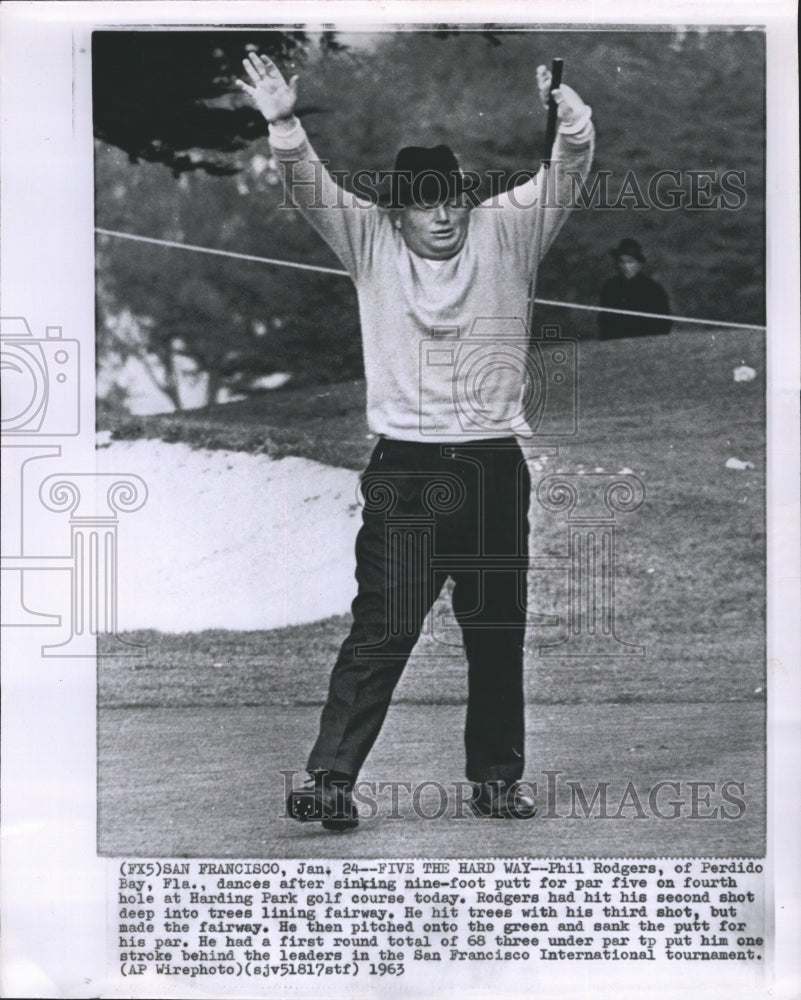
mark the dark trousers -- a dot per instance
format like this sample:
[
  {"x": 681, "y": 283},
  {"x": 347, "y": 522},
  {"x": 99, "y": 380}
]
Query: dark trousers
[{"x": 433, "y": 511}]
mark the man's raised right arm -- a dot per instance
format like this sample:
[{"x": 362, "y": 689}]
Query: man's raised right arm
[{"x": 343, "y": 220}]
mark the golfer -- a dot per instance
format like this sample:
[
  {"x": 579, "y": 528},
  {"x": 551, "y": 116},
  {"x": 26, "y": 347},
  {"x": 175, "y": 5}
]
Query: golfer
[{"x": 443, "y": 283}]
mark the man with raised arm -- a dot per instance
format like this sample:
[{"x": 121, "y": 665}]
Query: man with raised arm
[{"x": 443, "y": 284}]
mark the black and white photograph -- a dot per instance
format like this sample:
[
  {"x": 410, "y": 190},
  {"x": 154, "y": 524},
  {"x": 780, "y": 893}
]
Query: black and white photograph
[
  {"x": 358, "y": 279},
  {"x": 400, "y": 463}
]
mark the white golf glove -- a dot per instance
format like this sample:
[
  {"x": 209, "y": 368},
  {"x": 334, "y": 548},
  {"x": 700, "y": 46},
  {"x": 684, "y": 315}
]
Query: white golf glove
[{"x": 572, "y": 112}]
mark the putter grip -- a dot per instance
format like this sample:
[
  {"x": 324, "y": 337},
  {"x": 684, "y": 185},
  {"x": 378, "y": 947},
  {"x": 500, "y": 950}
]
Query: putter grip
[{"x": 550, "y": 132}]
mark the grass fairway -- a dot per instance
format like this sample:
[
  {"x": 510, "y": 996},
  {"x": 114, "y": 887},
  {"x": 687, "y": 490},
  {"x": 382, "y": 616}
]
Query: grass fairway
[
  {"x": 193, "y": 735},
  {"x": 232, "y": 804}
]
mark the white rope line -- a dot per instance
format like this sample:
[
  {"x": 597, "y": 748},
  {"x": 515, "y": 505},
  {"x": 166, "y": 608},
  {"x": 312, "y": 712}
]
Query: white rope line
[
  {"x": 333, "y": 270},
  {"x": 222, "y": 253},
  {"x": 631, "y": 312}
]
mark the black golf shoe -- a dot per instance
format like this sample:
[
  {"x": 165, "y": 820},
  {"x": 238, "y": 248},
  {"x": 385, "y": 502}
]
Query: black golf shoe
[
  {"x": 502, "y": 800},
  {"x": 326, "y": 798}
]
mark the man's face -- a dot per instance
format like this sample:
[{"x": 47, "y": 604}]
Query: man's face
[
  {"x": 628, "y": 266},
  {"x": 436, "y": 232}
]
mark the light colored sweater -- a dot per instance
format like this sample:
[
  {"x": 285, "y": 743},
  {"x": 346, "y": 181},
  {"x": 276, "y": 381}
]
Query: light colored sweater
[{"x": 444, "y": 347}]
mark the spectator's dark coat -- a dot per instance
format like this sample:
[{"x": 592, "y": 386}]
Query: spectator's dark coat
[{"x": 640, "y": 294}]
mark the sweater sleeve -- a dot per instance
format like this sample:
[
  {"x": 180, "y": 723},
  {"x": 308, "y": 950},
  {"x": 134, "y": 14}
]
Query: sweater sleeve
[
  {"x": 345, "y": 221},
  {"x": 516, "y": 210}
]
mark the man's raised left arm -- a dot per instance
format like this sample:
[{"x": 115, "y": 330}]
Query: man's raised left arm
[{"x": 570, "y": 163}]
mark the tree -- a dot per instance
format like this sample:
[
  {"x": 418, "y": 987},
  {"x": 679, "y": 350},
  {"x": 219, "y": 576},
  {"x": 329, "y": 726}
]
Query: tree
[
  {"x": 231, "y": 322},
  {"x": 160, "y": 94},
  {"x": 169, "y": 99}
]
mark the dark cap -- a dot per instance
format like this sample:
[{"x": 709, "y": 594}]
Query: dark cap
[
  {"x": 426, "y": 176},
  {"x": 628, "y": 248}
]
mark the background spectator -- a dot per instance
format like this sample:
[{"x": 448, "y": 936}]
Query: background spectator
[{"x": 632, "y": 289}]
